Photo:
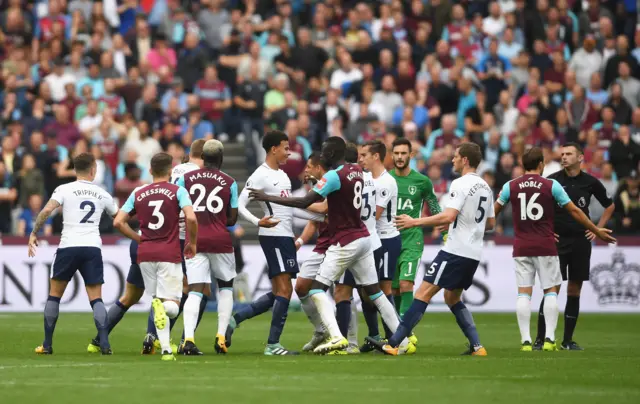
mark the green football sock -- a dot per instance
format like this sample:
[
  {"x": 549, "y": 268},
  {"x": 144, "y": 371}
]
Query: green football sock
[
  {"x": 397, "y": 299},
  {"x": 405, "y": 302}
]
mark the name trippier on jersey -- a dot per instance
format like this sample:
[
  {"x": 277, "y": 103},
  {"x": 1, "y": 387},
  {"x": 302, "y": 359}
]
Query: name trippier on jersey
[
  {"x": 154, "y": 191},
  {"x": 207, "y": 175},
  {"x": 88, "y": 192}
]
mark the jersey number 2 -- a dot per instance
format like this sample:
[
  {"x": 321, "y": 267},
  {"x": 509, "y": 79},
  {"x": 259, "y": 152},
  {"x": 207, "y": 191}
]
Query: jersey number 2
[{"x": 92, "y": 210}]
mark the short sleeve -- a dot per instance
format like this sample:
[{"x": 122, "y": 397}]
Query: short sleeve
[
  {"x": 457, "y": 196},
  {"x": 383, "y": 193},
  {"x": 234, "y": 195},
  {"x": 58, "y": 195},
  {"x": 255, "y": 181},
  {"x": 110, "y": 206},
  {"x": 128, "y": 206},
  {"x": 180, "y": 181},
  {"x": 559, "y": 194},
  {"x": 600, "y": 193},
  {"x": 505, "y": 194},
  {"x": 492, "y": 210},
  {"x": 183, "y": 198},
  {"x": 329, "y": 183}
]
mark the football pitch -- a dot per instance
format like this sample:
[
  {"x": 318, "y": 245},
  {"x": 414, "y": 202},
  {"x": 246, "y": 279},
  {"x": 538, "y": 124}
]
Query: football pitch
[{"x": 608, "y": 370}]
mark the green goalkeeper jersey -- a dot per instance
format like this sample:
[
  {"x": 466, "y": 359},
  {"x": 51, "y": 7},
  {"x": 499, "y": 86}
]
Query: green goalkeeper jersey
[{"x": 413, "y": 190}]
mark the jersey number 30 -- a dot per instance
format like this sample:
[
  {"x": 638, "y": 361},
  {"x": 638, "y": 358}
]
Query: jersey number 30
[
  {"x": 214, "y": 203},
  {"x": 530, "y": 210}
]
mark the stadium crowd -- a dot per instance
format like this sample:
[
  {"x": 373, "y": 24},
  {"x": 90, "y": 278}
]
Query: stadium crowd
[{"x": 126, "y": 79}]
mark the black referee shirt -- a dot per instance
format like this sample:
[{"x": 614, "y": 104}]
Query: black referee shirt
[{"x": 580, "y": 189}]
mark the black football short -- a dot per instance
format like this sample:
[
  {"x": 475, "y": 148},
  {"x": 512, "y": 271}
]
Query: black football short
[{"x": 575, "y": 258}]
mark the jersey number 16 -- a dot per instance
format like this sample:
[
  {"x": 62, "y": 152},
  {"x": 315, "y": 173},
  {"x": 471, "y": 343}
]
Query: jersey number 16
[{"x": 530, "y": 210}]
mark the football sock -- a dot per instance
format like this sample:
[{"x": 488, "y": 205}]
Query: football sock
[
  {"x": 190, "y": 315},
  {"x": 405, "y": 302},
  {"x": 203, "y": 308},
  {"x": 183, "y": 300},
  {"x": 151, "y": 326},
  {"x": 542, "y": 330},
  {"x": 172, "y": 310},
  {"x": 571, "y": 313},
  {"x": 100, "y": 318},
  {"x": 278, "y": 319},
  {"x": 411, "y": 318},
  {"x": 387, "y": 312},
  {"x": 312, "y": 313},
  {"x": 343, "y": 316},
  {"x": 387, "y": 332},
  {"x": 466, "y": 324},
  {"x": 261, "y": 305},
  {"x": 325, "y": 308},
  {"x": 551, "y": 314},
  {"x": 397, "y": 300},
  {"x": 352, "y": 334},
  {"x": 51, "y": 312},
  {"x": 371, "y": 318},
  {"x": 523, "y": 312},
  {"x": 225, "y": 307},
  {"x": 115, "y": 314}
]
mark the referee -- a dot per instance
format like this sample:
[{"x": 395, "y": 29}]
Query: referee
[{"x": 574, "y": 246}]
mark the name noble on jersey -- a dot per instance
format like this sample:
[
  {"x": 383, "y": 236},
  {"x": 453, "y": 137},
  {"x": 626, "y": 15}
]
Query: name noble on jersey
[
  {"x": 530, "y": 184},
  {"x": 208, "y": 175},
  {"x": 87, "y": 192},
  {"x": 154, "y": 191}
]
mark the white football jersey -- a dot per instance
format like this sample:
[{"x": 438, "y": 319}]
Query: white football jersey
[
  {"x": 272, "y": 182},
  {"x": 387, "y": 198},
  {"x": 473, "y": 199},
  {"x": 82, "y": 205},
  {"x": 368, "y": 214},
  {"x": 177, "y": 172}
]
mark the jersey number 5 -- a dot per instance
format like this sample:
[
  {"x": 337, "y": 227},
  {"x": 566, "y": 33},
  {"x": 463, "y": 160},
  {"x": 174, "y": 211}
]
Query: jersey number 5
[
  {"x": 530, "y": 210},
  {"x": 214, "y": 203}
]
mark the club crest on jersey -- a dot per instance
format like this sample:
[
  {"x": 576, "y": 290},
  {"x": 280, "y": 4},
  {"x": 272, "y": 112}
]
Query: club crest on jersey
[
  {"x": 291, "y": 263},
  {"x": 617, "y": 282},
  {"x": 413, "y": 189},
  {"x": 321, "y": 183},
  {"x": 582, "y": 202}
]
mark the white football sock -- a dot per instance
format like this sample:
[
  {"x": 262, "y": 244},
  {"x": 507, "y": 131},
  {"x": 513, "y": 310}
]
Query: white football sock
[
  {"x": 353, "y": 325},
  {"x": 309, "y": 308},
  {"x": 523, "y": 311},
  {"x": 190, "y": 314},
  {"x": 551, "y": 314},
  {"x": 387, "y": 311},
  {"x": 225, "y": 307},
  {"x": 326, "y": 311}
]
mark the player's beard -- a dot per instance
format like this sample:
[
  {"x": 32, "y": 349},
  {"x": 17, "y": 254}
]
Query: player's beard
[{"x": 400, "y": 167}]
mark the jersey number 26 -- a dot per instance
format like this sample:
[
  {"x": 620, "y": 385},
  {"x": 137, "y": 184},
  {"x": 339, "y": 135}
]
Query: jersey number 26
[{"x": 213, "y": 204}]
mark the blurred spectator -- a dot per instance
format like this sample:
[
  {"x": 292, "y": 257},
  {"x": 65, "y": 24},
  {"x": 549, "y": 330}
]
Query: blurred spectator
[
  {"x": 627, "y": 214},
  {"x": 125, "y": 186},
  {"x": 27, "y": 219},
  {"x": 8, "y": 196},
  {"x": 29, "y": 180},
  {"x": 624, "y": 154}
]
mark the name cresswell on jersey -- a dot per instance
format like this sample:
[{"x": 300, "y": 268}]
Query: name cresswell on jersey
[
  {"x": 208, "y": 175},
  {"x": 154, "y": 191}
]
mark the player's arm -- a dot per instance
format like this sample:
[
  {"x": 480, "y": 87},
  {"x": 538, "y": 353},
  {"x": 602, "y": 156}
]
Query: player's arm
[
  {"x": 43, "y": 216},
  {"x": 503, "y": 198},
  {"x": 444, "y": 218},
  {"x": 121, "y": 220},
  {"x": 561, "y": 197},
  {"x": 429, "y": 196},
  {"x": 243, "y": 201},
  {"x": 490, "y": 224},
  {"x": 600, "y": 193},
  {"x": 383, "y": 195},
  {"x": 319, "y": 207},
  {"x": 232, "y": 212},
  {"x": 184, "y": 201},
  {"x": 329, "y": 183},
  {"x": 112, "y": 210},
  {"x": 308, "y": 232}
]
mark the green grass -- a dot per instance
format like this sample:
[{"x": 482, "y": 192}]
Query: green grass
[{"x": 609, "y": 369}]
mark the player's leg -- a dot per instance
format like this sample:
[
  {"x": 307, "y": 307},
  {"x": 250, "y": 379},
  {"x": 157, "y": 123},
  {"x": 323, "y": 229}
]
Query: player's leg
[
  {"x": 408, "y": 265},
  {"x": 308, "y": 272},
  {"x": 578, "y": 272},
  {"x": 465, "y": 321},
  {"x": 525, "y": 279},
  {"x": 224, "y": 270},
  {"x": 565, "y": 256},
  {"x": 198, "y": 276},
  {"x": 51, "y": 313},
  {"x": 166, "y": 300},
  {"x": 283, "y": 290},
  {"x": 185, "y": 290},
  {"x": 391, "y": 252},
  {"x": 395, "y": 287},
  {"x": 91, "y": 269},
  {"x": 342, "y": 296},
  {"x": 548, "y": 269},
  {"x": 369, "y": 310}
]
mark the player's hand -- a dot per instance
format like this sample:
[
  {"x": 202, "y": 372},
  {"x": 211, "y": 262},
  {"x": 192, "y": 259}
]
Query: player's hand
[
  {"x": 33, "y": 243},
  {"x": 257, "y": 195},
  {"x": 189, "y": 250},
  {"x": 298, "y": 245},
  {"x": 404, "y": 222},
  {"x": 605, "y": 235},
  {"x": 442, "y": 228},
  {"x": 590, "y": 236},
  {"x": 268, "y": 222},
  {"x": 556, "y": 237}
]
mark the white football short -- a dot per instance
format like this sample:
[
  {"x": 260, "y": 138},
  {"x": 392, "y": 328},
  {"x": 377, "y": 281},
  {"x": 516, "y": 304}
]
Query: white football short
[
  {"x": 311, "y": 266},
  {"x": 355, "y": 256},
  {"x": 547, "y": 268},
  {"x": 207, "y": 266},
  {"x": 162, "y": 279}
]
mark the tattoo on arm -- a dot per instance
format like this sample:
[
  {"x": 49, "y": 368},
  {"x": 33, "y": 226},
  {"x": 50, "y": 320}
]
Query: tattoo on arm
[{"x": 44, "y": 215}]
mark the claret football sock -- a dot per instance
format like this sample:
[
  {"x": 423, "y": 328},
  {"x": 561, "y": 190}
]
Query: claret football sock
[{"x": 257, "y": 307}]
